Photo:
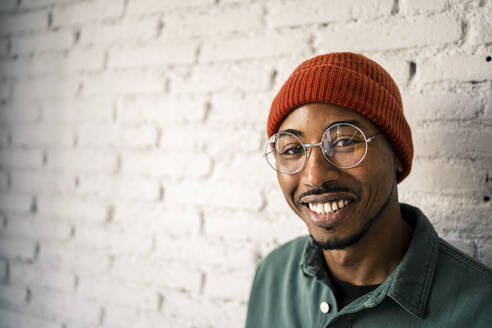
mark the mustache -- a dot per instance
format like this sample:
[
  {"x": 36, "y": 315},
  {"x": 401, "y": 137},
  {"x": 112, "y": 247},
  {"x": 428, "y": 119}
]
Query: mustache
[{"x": 326, "y": 188}]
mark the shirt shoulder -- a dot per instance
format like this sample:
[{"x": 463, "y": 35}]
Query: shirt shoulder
[
  {"x": 461, "y": 288},
  {"x": 288, "y": 253},
  {"x": 463, "y": 265}
]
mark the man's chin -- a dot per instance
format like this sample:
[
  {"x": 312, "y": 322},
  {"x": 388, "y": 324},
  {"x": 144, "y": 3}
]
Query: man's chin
[{"x": 335, "y": 243}]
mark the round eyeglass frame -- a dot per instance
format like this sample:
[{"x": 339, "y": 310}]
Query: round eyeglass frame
[{"x": 307, "y": 148}]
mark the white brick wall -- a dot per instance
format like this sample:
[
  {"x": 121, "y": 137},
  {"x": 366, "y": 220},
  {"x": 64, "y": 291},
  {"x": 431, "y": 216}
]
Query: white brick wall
[{"x": 132, "y": 187}]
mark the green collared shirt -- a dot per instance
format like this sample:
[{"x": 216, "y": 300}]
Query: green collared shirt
[{"x": 435, "y": 285}]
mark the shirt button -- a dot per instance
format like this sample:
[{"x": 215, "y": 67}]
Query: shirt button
[{"x": 324, "y": 307}]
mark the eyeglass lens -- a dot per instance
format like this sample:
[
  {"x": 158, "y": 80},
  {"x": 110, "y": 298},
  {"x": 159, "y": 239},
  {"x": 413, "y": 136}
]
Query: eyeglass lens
[{"x": 343, "y": 145}]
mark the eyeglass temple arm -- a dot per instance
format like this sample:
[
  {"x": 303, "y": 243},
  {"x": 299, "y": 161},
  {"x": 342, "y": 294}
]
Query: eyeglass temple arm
[{"x": 374, "y": 136}]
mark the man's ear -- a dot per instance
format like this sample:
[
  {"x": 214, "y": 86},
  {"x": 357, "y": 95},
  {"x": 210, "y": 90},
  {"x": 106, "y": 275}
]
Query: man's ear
[{"x": 398, "y": 165}]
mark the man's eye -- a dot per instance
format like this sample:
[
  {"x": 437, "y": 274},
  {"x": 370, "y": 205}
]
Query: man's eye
[
  {"x": 344, "y": 142},
  {"x": 292, "y": 150}
]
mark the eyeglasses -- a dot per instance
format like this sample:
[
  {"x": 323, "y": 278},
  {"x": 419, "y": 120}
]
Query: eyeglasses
[{"x": 343, "y": 144}]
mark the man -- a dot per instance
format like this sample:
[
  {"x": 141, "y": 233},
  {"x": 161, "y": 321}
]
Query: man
[{"x": 340, "y": 144}]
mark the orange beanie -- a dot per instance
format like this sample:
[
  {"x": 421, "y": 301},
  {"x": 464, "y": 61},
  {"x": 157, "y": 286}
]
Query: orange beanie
[{"x": 352, "y": 81}]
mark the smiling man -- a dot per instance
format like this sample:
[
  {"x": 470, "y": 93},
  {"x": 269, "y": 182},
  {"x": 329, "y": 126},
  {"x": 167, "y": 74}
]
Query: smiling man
[{"x": 340, "y": 144}]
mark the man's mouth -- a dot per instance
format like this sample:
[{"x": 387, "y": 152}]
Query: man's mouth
[
  {"x": 328, "y": 209},
  {"x": 329, "y": 206}
]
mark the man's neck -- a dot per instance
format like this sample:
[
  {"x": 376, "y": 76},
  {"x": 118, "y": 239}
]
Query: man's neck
[{"x": 376, "y": 255}]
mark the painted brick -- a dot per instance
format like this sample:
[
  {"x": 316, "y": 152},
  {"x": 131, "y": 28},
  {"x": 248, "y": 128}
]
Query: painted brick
[
  {"x": 397, "y": 66},
  {"x": 161, "y": 110},
  {"x": 481, "y": 28},
  {"x": 48, "y": 65},
  {"x": 244, "y": 167},
  {"x": 45, "y": 88},
  {"x": 62, "y": 306},
  {"x": 93, "y": 110},
  {"x": 236, "y": 282},
  {"x": 18, "y": 112},
  {"x": 24, "y": 22},
  {"x": 119, "y": 316},
  {"x": 117, "y": 292},
  {"x": 52, "y": 41},
  {"x": 73, "y": 258},
  {"x": 4, "y": 176},
  {"x": 448, "y": 179},
  {"x": 8, "y": 5},
  {"x": 5, "y": 90},
  {"x": 233, "y": 108},
  {"x": 263, "y": 46},
  {"x": 30, "y": 4},
  {"x": 466, "y": 246},
  {"x": 419, "y": 7},
  {"x": 38, "y": 135},
  {"x": 234, "y": 313},
  {"x": 151, "y": 55},
  {"x": 86, "y": 12},
  {"x": 488, "y": 107},
  {"x": 158, "y": 219},
  {"x": 203, "y": 253},
  {"x": 71, "y": 207},
  {"x": 224, "y": 77},
  {"x": 11, "y": 319},
  {"x": 454, "y": 67},
  {"x": 275, "y": 200},
  {"x": 237, "y": 226},
  {"x": 217, "y": 140},
  {"x": 220, "y": 194},
  {"x": 20, "y": 159},
  {"x": 12, "y": 297},
  {"x": 209, "y": 22},
  {"x": 111, "y": 240},
  {"x": 122, "y": 83},
  {"x": 487, "y": 250},
  {"x": 159, "y": 274},
  {"x": 282, "y": 13},
  {"x": 390, "y": 35},
  {"x": 37, "y": 228},
  {"x": 141, "y": 7},
  {"x": 4, "y": 47},
  {"x": 441, "y": 106},
  {"x": 26, "y": 275},
  {"x": 125, "y": 32},
  {"x": 3, "y": 270},
  {"x": 13, "y": 248},
  {"x": 452, "y": 141},
  {"x": 127, "y": 187},
  {"x": 100, "y": 136},
  {"x": 42, "y": 181},
  {"x": 165, "y": 163},
  {"x": 88, "y": 160}
]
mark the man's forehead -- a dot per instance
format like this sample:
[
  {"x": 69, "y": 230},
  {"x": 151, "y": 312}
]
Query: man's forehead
[{"x": 327, "y": 114}]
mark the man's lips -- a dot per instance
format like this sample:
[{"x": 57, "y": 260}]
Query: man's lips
[{"x": 328, "y": 209}]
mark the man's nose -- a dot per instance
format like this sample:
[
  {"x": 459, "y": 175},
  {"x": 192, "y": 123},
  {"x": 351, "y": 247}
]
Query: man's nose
[{"x": 318, "y": 170}]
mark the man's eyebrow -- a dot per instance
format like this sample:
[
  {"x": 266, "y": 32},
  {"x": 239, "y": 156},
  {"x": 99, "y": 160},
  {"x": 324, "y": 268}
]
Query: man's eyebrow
[
  {"x": 301, "y": 134},
  {"x": 353, "y": 122},
  {"x": 294, "y": 132}
]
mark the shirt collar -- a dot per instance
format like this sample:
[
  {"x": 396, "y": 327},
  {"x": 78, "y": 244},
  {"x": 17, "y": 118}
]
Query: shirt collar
[{"x": 409, "y": 284}]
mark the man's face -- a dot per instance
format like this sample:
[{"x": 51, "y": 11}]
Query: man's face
[{"x": 361, "y": 192}]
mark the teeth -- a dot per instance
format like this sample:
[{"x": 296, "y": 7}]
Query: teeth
[{"x": 329, "y": 207}]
